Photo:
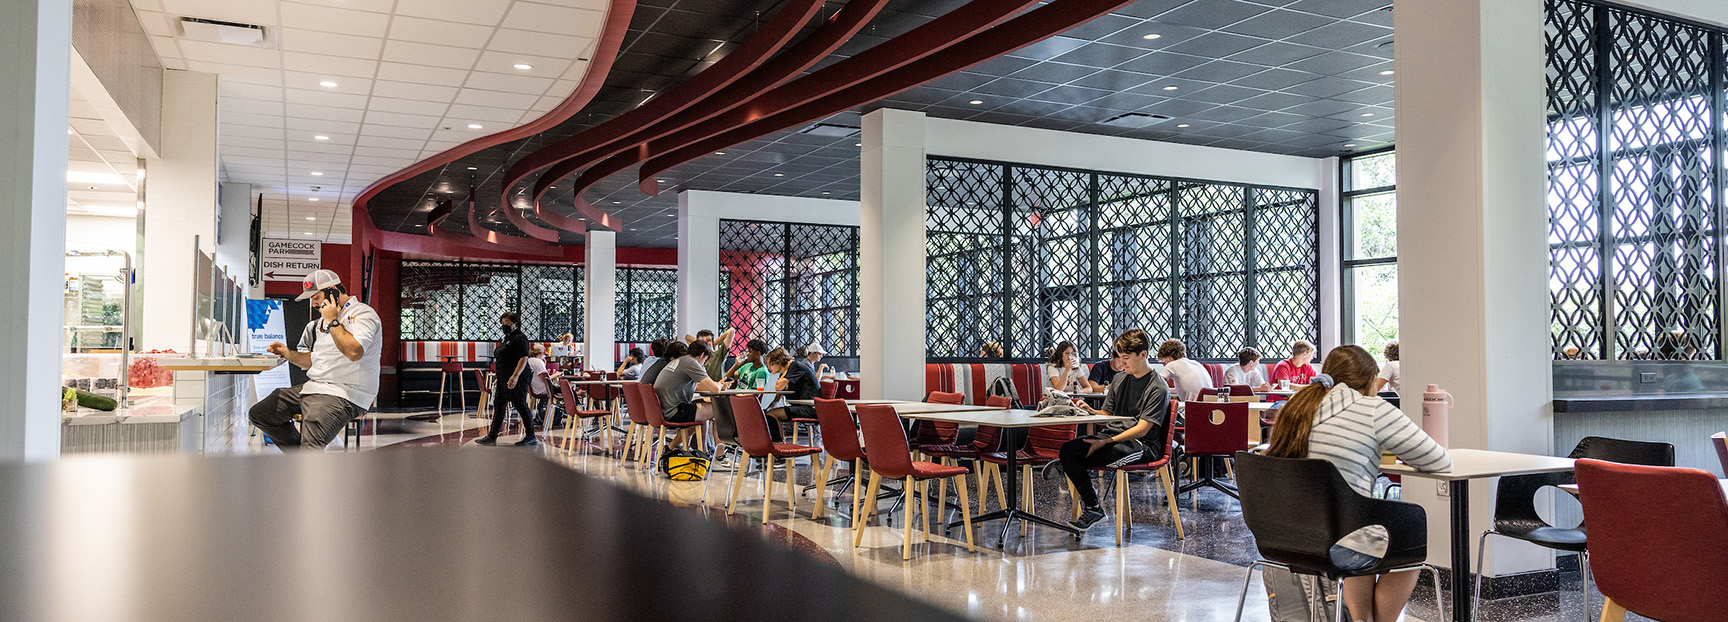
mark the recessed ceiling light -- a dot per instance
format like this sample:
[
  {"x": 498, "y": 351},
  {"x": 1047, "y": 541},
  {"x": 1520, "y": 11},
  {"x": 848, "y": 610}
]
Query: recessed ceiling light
[
  {"x": 1171, "y": 87},
  {"x": 419, "y": 225},
  {"x": 719, "y": 153},
  {"x": 1367, "y": 114},
  {"x": 473, "y": 126},
  {"x": 1387, "y": 72},
  {"x": 310, "y": 233},
  {"x": 473, "y": 168},
  {"x": 826, "y": 192},
  {"x": 523, "y": 66},
  {"x": 857, "y": 144},
  {"x": 317, "y": 174},
  {"x": 617, "y": 202},
  {"x": 1150, "y": 37},
  {"x": 320, "y": 137},
  {"x": 1181, "y": 125},
  {"x": 94, "y": 178},
  {"x": 1349, "y": 144},
  {"x": 551, "y": 187},
  {"x": 659, "y": 181},
  {"x": 976, "y": 102},
  {"x": 779, "y": 174},
  {"x": 311, "y": 218},
  {"x": 312, "y": 199},
  {"x": 327, "y": 84}
]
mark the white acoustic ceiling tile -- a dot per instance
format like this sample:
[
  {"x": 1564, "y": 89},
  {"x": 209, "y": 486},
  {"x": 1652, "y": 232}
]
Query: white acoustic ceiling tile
[
  {"x": 408, "y": 106},
  {"x": 319, "y": 98},
  {"x": 437, "y": 146},
  {"x": 249, "y": 107},
  {"x": 272, "y": 159},
  {"x": 577, "y": 72},
  {"x": 437, "y": 32},
  {"x": 555, "y": 19},
  {"x": 252, "y": 171},
  {"x": 248, "y": 11},
  {"x": 423, "y": 74},
  {"x": 230, "y": 54},
  {"x": 248, "y": 90},
  {"x": 320, "y": 127},
  {"x": 504, "y": 62},
  {"x": 336, "y": 67},
  {"x": 372, "y": 170},
  {"x": 486, "y": 12},
  {"x": 336, "y": 143},
  {"x": 271, "y": 154},
  {"x": 549, "y": 102},
  {"x": 563, "y": 87},
  {"x": 540, "y": 44},
  {"x": 389, "y": 143},
  {"x": 396, "y": 163},
  {"x": 330, "y": 167},
  {"x": 409, "y": 90},
  {"x": 507, "y": 83},
  {"x": 379, "y": 6},
  {"x": 314, "y": 81},
  {"x": 481, "y": 114},
  {"x": 157, "y": 24},
  {"x": 379, "y": 152},
  {"x": 457, "y": 136},
  {"x": 233, "y": 140},
  {"x": 267, "y": 76},
  {"x": 329, "y": 19},
  {"x": 327, "y": 113},
  {"x": 402, "y": 120},
  {"x": 249, "y": 131},
  {"x": 391, "y": 131},
  {"x": 427, "y": 54},
  {"x": 330, "y": 43},
  {"x": 238, "y": 114},
  {"x": 519, "y": 101}
]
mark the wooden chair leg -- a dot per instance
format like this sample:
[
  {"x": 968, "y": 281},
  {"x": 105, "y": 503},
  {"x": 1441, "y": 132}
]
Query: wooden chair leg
[
  {"x": 1073, "y": 499},
  {"x": 792, "y": 487},
  {"x": 442, "y": 380},
  {"x": 857, "y": 488},
  {"x": 996, "y": 477},
  {"x": 1121, "y": 503},
  {"x": 966, "y": 510},
  {"x": 737, "y": 482},
  {"x": 462, "y": 391},
  {"x": 911, "y": 506},
  {"x": 1170, "y": 493},
  {"x": 768, "y": 488},
  {"x": 1612, "y": 611},
  {"x": 942, "y": 494},
  {"x": 866, "y": 510},
  {"x": 821, "y": 486}
]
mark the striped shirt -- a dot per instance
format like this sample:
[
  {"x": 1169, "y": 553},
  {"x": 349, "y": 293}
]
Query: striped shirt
[{"x": 1351, "y": 429}]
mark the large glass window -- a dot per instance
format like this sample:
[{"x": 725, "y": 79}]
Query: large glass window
[
  {"x": 1370, "y": 235},
  {"x": 1028, "y": 256},
  {"x": 790, "y": 284},
  {"x": 1635, "y": 126}
]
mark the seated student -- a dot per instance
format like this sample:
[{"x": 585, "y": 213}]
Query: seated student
[
  {"x": 657, "y": 360},
  {"x": 798, "y": 377},
  {"x": 1138, "y": 392},
  {"x": 1247, "y": 370},
  {"x": 1337, "y": 419},
  {"x": 1062, "y": 370},
  {"x": 539, "y": 396},
  {"x": 1390, "y": 378},
  {"x": 750, "y": 369},
  {"x": 718, "y": 347},
  {"x": 631, "y": 367},
  {"x": 991, "y": 350},
  {"x": 1296, "y": 368},
  {"x": 1105, "y": 371},
  {"x": 1189, "y": 374},
  {"x": 813, "y": 354},
  {"x": 678, "y": 383}
]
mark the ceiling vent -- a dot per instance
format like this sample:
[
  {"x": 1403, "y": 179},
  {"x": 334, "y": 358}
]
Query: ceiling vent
[
  {"x": 217, "y": 31},
  {"x": 830, "y": 129},
  {"x": 1134, "y": 119}
]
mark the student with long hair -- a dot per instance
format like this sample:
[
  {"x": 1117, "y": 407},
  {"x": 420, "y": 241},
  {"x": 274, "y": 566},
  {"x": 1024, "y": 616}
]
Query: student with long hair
[
  {"x": 1337, "y": 418},
  {"x": 1062, "y": 370}
]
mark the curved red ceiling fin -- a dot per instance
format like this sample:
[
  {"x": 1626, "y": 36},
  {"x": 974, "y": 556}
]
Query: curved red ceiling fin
[
  {"x": 442, "y": 213},
  {"x": 934, "y": 36},
  {"x": 608, "y": 138},
  {"x": 618, "y": 15}
]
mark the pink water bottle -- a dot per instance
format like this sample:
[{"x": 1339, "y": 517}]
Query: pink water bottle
[{"x": 1436, "y": 406}]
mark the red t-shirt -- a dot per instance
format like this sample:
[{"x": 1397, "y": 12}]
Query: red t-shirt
[{"x": 1297, "y": 375}]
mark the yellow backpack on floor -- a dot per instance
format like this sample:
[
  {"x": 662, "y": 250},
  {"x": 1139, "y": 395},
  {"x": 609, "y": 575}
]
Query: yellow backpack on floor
[{"x": 683, "y": 465}]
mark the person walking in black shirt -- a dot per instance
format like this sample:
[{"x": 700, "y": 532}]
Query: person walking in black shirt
[{"x": 511, "y": 358}]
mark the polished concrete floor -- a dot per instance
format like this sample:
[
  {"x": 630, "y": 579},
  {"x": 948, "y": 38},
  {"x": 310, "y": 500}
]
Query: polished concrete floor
[{"x": 1042, "y": 574}]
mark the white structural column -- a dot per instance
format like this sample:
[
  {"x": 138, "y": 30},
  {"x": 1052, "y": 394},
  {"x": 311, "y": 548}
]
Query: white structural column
[
  {"x": 35, "y": 50},
  {"x": 1331, "y": 257},
  {"x": 179, "y": 205},
  {"x": 699, "y": 216},
  {"x": 891, "y": 256},
  {"x": 601, "y": 276},
  {"x": 1472, "y": 242}
]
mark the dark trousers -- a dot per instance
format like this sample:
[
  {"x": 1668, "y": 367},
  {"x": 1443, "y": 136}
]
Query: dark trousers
[
  {"x": 1075, "y": 463},
  {"x": 322, "y": 417},
  {"x": 503, "y": 398}
]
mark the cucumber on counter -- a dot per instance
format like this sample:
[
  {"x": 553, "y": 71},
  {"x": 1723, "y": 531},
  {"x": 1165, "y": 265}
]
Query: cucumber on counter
[{"x": 92, "y": 400}]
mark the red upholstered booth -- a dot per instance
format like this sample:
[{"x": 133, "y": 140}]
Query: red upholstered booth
[{"x": 973, "y": 379}]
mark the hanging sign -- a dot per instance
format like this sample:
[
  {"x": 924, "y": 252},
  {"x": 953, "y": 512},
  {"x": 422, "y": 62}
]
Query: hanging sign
[{"x": 290, "y": 260}]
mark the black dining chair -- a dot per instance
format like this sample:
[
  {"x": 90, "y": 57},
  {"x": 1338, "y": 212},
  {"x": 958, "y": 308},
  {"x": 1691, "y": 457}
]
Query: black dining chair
[
  {"x": 1297, "y": 508},
  {"x": 1515, "y": 507}
]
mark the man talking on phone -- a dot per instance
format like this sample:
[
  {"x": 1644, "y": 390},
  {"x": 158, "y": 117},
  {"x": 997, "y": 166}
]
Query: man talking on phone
[{"x": 341, "y": 370}]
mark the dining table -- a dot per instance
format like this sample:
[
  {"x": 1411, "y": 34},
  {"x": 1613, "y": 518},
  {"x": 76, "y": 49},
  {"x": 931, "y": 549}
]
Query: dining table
[{"x": 1469, "y": 464}]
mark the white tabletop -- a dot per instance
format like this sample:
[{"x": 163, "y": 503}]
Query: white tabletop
[
  {"x": 1283, "y": 392},
  {"x": 850, "y": 403},
  {"x": 733, "y": 392},
  {"x": 1005, "y": 418},
  {"x": 929, "y": 408},
  {"x": 592, "y": 382},
  {"x": 1481, "y": 463}
]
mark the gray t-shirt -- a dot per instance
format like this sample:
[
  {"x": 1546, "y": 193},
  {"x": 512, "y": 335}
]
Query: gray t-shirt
[{"x": 676, "y": 384}]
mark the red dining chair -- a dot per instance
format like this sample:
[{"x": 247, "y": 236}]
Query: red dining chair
[
  {"x": 1164, "y": 467},
  {"x": 572, "y": 413},
  {"x": 840, "y": 440},
  {"x": 829, "y": 389},
  {"x": 937, "y": 433},
  {"x": 753, "y": 439},
  {"x": 1212, "y": 430},
  {"x": 640, "y": 425},
  {"x": 890, "y": 456},
  {"x": 1658, "y": 540},
  {"x": 448, "y": 369},
  {"x": 657, "y": 420},
  {"x": 1720, "y": 440},
  {"x": 986, "y": 441},
  {"x": 485, "y": 393}
]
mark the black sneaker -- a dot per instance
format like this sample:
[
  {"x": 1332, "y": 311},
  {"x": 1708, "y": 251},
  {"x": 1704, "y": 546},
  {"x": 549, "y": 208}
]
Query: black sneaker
[
  {"x": 487, "y": 441},
  {"x": 527, "y": 441},
  {"x": 1088, "y": 518},
  {"x": 1050, "y": 471}
]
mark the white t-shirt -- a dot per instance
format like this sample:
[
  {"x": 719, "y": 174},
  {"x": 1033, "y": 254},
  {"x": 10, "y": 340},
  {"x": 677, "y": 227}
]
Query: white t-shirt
[
  {"x": 1190, "y": 377},
  {"x": 537, "y": 367},
  {"x": 1234, "y": 375},
  {"x": 1390, "y": 372},
  {"x": 1074, "y": 376},
  {"x": 332, "y": 373}
]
